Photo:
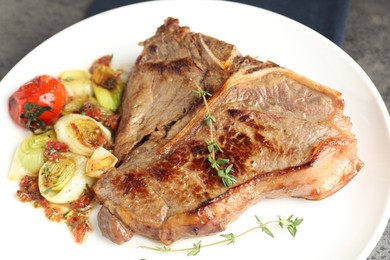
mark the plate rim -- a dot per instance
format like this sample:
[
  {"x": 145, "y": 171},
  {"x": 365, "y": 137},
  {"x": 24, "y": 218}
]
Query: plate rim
[{"x": 373, "y": 90}]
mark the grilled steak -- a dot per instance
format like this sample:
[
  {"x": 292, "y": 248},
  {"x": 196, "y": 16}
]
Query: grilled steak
[{"x": 285, "y": 135}]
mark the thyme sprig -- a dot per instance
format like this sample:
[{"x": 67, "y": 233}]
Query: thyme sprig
[
  {"x": 290, "y": 223},
  {"x": 217, "y": 164}
]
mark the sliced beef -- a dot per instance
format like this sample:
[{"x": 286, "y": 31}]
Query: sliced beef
[{"x": 285, "y": 135}]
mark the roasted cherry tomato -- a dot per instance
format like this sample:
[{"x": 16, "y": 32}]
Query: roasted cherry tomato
[{"x": 38, "y": 103}]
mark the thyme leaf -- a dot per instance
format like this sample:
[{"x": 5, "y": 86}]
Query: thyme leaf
[
  {"x": 264, "y": 227},
  {"x": 290, "y": 223},
  {"x": 196, "y": 249},
  {"x": 201, "y": 93},
  {"x": 164, "y": 248},
  {"x": 227, "y": 179},
  {"x": 230, "y": 237},
  {"x": 209, "y": 118}
]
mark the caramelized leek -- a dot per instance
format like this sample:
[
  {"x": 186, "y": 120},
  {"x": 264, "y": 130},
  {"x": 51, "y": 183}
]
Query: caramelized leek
[
  {"x": 100, "y": 162},
  {"x": 74, "y": 105},
  {"x": 81, "y": 133},
  {"x": 28, "y": 157},
  {"x": 64, "y": 180},
  {"x": 77, "y": 82},
  {"x": 108, "y": 87}
]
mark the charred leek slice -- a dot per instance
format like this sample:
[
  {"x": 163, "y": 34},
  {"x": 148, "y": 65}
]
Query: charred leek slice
[
  {"x": 74, "y": 105},
  {"x": 64, "y": 181},
  {"x": 29, "y": 157},
  {"x": 100, "y": 162},
  {"x": 108, "y": 87},
  {"x": 77, "y": 82},
  {"x": 81, "y": 133}
]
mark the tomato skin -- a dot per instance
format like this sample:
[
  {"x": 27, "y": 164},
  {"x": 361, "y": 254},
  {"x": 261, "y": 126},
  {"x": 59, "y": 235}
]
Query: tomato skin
[{"x": 42, "y": 91}]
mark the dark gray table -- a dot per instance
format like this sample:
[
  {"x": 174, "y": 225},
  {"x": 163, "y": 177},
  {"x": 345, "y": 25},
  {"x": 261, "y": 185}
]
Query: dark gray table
[{"x": 24, "y": 24}]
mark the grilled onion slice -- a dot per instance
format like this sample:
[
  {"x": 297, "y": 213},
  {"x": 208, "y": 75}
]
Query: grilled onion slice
[
  {"x": 64, "y": 180},
  {"x": 81, "y": 133}
]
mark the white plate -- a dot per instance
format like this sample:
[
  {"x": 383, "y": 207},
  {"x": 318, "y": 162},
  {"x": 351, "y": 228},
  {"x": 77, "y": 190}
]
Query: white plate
[{"x": 346, "y": 225}]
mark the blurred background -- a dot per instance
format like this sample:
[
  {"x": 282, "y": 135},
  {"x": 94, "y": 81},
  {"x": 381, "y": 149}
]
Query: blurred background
[{"x": 24, "y": 24}]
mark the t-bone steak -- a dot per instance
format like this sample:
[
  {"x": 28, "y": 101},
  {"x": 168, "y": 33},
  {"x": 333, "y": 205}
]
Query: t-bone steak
[{"x": 286, "y": 136}]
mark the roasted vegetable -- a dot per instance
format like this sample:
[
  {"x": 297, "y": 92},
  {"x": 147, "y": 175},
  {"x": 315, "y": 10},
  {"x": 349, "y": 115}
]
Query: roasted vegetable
[
  {"x": 108, "y": 87},
  {"x": 100, "y": 162},
  {"x": 82, "y": 133},
  {"x": 64, "y": 180},
  {"x": 29, "y": 157},
  {"x": 77, "y": 82},
  {"x": 38, "y": 103}
]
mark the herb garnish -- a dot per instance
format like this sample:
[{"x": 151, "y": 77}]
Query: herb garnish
[
  {"x": 290, "y": 223},
  {"x": 213, "y": 147},
  {"x": 30, "y": 116}
]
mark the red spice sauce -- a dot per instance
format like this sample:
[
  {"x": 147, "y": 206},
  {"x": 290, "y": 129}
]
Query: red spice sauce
[
  {"x": 53, "y": 149},
  {"x": 74, "y": 214}
]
